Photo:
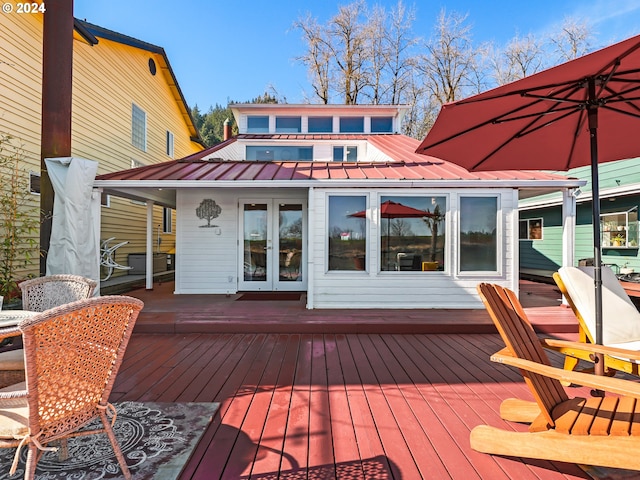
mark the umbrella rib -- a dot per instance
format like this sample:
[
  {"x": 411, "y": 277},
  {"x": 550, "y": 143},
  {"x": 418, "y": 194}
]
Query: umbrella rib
[{"x": 623, "y": 112}]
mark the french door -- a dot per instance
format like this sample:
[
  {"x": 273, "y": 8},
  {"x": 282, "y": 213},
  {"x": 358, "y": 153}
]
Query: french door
[{"x": 272, "y": 245}]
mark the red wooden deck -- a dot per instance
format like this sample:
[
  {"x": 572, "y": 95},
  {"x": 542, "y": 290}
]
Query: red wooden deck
[{"x": 325, "y": 404}]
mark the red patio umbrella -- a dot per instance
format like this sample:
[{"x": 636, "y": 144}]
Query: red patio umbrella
[{"x": 551, "y": 121}]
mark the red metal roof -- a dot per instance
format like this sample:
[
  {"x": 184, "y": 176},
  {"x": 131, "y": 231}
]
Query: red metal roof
[{"x": 407, "y": 165}]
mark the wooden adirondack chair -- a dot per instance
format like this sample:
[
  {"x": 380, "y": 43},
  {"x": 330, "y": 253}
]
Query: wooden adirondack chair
[
  {"x": 602, "y": 431},
  {"x": 620, "y": 319}
]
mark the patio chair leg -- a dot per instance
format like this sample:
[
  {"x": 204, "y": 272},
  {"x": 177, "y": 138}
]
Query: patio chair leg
[{"x": 115, "y": 446}]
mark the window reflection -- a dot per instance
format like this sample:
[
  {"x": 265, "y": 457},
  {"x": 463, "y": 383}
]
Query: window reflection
[
  {"x": 412, "y": 233},
  {"x": 347, "y": 232},
  {"x": 478, "y": 234}
]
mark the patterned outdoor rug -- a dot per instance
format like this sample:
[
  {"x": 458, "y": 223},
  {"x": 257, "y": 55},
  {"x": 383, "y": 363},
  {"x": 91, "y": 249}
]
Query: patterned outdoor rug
[{"x": 157, "y": 439}]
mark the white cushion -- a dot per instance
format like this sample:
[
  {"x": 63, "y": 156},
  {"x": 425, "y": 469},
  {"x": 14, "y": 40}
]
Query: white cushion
[
  {"x": 12, "y": 360},
  {"x": 620, "y": 317},
  {"x": 14, "y": 414},
  {"x": 627, "y": 346}
]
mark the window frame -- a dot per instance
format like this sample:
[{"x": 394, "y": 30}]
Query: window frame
[
  {"x": 346, "y": 153},
  {"x": 170, "y": 150},
  {"x": 138, "y": 138},
  {"x": 252, "y": 151},
  {"x": 499, "y": 235},
  {"x": 374, "y": 120},
  {"x": 315, "y": 129},
  {"x": 367, "y": 231},
  {"x": 528, "y": 223},
  {"x": 297, "y": 128},
  {"x": 446, "y": 230},
  {"x": 348, "y": 125},
  {"x": 32, "y": 176},
  {"x": 167, "y": 220},
  {"x": 257, "y": 129}
]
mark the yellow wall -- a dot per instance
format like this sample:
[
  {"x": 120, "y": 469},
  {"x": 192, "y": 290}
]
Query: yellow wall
[{"x": 107, "y": 79}]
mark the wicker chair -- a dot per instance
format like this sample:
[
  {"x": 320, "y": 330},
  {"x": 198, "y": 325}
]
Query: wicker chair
[
  {"x": 38, "y": 295},
  {"x": 43, "y": 293},
  {"x": 72, "y": 356}
]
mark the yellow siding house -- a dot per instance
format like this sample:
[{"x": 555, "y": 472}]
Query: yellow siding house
[{"x": 127, "y": 111}]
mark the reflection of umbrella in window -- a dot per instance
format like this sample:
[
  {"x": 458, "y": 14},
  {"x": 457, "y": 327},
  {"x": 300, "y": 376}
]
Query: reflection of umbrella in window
[{"x": 391, "y": 209}]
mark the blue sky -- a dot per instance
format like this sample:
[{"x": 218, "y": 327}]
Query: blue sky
[{"x": 226, "y": 50}]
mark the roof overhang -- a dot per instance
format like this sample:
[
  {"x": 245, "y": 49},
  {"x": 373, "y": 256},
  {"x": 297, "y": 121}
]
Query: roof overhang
[{"x": 162, "y": 192}]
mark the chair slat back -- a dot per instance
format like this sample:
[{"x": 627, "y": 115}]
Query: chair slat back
[
  {"x": 43, "y": 293},
  {"x": 72, "y": 356},
  {"x": 519, "y": 337}
]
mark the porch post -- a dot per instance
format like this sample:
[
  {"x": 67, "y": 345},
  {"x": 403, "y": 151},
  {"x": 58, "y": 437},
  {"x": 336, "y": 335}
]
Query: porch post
[
  {"x": 568, "y": 227},
  {"x": 310, "y": 242},
  {"x": 149, "y": 257}
]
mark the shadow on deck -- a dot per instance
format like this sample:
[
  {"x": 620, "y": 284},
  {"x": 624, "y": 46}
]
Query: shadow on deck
[{"x": 165, "y": 312}]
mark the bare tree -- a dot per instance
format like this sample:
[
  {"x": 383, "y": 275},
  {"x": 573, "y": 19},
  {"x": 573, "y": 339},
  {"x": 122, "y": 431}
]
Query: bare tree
[
  {"x": 348, "y": 44},
  {"x": 522, "y": 56},
  {"x": 572, "y": 41},
  {"x": 360, "y": 55},
  {"x": 317, "y": 58},
  {"x": 450, "y": 59},
  {"x": 400, "y": 40}
]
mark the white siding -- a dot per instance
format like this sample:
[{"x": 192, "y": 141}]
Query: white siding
[
  {"x": 375, "y": 289},
  {"x": 207, "y": 259}
]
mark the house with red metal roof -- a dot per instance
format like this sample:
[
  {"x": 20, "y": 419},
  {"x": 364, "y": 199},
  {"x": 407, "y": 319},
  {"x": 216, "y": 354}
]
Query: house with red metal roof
[{"x": 333, "y": 200}]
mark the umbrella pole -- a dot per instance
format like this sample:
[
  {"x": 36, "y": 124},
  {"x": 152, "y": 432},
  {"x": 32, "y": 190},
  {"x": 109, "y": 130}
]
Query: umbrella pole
[{"x": 592, "y": 112}]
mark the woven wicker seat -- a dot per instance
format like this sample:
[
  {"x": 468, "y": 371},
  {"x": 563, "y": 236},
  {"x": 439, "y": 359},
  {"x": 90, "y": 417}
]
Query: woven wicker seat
[
  {"x": 72, "y": 356},
  {"x": 38, "y": 295}
]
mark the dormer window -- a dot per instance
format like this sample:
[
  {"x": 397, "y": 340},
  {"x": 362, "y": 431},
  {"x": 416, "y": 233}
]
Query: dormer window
[
  {"x": 288, "y": 124},
  {"x": 351, "y": 124},
  {"x": 258, "y": 124},
  {"x": 320, "y": 124},
  {"x": 381, "y": 125},
  {"x": 345, "y": 154},
  {"x": 279, "y": 153}
]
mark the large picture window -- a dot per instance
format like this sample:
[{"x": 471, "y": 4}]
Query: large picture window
[
  {"x": 347, "y": 242},
  {"x": 478, "y": 234},
  {"x": 412, "y": 233}
]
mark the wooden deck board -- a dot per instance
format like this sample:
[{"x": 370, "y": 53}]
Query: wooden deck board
[
  {"x": 336, "y": 406},
  {"x": 349, "y": 395}
]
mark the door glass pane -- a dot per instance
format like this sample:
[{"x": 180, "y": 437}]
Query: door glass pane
[
  {"x": 290, "y": 241},
  {"x": 478, "y": 234},
  {"x": 255, "y": 242},
  {"x": 347, "y": 232}
]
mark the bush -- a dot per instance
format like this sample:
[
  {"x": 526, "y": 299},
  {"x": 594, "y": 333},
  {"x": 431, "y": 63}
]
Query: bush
[{"x": 19, "y": 219}]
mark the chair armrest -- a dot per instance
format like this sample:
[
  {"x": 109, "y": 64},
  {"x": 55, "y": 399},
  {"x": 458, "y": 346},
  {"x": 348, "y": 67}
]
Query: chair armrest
[
  {"x": 608, "y": 384},
  {"x": 592, "y": 347},
  {"x": 9, "y": 332}
]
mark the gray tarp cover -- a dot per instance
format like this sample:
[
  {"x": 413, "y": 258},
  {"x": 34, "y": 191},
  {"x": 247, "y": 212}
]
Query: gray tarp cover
[{"x": 75, "y": 231}]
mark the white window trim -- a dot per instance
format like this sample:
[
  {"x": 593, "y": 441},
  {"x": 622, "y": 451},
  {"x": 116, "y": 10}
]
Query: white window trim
[
  {"x": 367, "y": 229},
  {"x": 499, "y": 237}
]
